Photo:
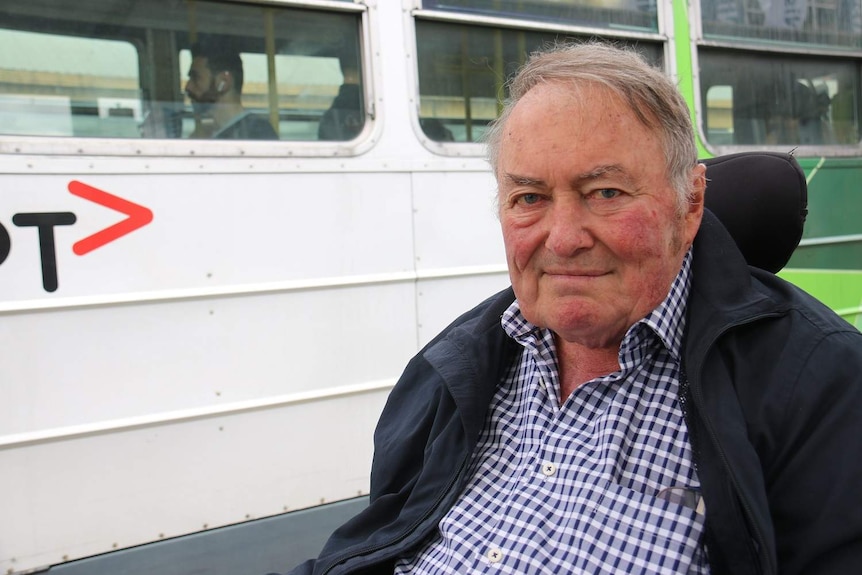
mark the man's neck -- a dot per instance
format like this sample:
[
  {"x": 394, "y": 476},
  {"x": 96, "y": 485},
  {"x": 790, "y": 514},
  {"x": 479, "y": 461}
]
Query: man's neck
[
  {"x": 578, "y": 364},
  {"x": 225, "y": 112}
]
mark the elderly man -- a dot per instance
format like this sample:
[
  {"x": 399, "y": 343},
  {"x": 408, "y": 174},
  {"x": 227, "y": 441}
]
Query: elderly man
[{"x": 641, "y": 401}]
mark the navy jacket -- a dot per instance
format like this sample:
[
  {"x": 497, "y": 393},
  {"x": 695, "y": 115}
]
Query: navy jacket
[{"x": 771, "y": 391}]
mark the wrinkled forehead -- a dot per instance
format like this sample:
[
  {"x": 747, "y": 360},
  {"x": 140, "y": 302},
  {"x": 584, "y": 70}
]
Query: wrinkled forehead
[
  {"x": 568, "y": 102},
  {"x": 551, "y": 111},
  {"x": 591, "y": 111},
  {"x": 588, "y": 134},
  {"x": 584, "y": 93}
]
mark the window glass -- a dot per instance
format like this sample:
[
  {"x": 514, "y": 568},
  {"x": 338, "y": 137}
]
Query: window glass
[
  {"x": 825, "y": 22},
  {"x": 753, "y": 99},
  {"x": 46, "y": 86},
  {"x": 179, "y": 69},
  {"x": 462, "y": 74},
  {"x": 636, "y": 14}
]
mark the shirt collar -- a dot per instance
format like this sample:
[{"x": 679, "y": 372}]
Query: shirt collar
[{"x": 667, "y": 320}]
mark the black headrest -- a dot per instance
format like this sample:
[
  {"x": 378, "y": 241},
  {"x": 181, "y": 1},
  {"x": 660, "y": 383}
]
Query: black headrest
[{"x": 762, "y": 200}]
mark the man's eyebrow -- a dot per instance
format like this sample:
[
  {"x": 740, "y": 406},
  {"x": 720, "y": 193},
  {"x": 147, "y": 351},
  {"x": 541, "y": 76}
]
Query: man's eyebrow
[
  {"x": 595, "y": 174},
  {"x": 605, "y": 171},
  {"x": 522, "y": 180},
  {"x": 602, "y": 171}
]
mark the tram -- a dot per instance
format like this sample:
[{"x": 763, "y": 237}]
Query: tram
[{"x": 199, "y": 332}]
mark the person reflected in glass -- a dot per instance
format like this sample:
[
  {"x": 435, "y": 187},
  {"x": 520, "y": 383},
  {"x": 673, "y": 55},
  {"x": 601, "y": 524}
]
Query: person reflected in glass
[
  {"x": 215, "y": 90},
  {"x": 345, "y": 117}
]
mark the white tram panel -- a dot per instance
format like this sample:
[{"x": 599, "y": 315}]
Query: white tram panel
[
  {"x": 183, "y": 350},
  {"x": 106, "y": 364},
  {"x": 460, "y": 258},
  {"x": 130, "y": 385},
  {"x": 210, "y": 231},
  {"x": 96, "y": 493}
]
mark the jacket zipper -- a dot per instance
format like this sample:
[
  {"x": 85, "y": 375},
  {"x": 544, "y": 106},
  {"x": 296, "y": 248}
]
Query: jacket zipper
[{"x": 713, "y": 436}]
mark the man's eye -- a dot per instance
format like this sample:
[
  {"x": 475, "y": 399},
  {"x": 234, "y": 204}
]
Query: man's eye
[
  {"x": 607, "y": 193},
  {"x": 529, "y": 199}
]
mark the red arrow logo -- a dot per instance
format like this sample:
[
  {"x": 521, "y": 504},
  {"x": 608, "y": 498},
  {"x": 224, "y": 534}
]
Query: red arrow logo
[{"x": 139, "y": 216}]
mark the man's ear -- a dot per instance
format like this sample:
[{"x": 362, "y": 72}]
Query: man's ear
[
  {"x": 223, "y": 82},
  {"x": 698, "y": 190},
  {"x": 693, "y": 212}
]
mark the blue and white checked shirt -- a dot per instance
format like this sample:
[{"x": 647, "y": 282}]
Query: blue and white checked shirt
[{"x": 574, "y": 488}]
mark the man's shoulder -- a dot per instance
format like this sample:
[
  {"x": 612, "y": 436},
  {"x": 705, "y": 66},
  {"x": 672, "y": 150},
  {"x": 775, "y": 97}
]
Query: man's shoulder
[
  {"x": 816, "y": 315},
  {"x": 725, "y": 289},
  {"x": 481, "y": 317},
  {"x": 256, "y": 127},
  {"x": 249, "y": 126},
  {"x": 259, "y": 127}
]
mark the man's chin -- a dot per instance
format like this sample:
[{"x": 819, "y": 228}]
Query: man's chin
[
  {"x": 579, "y": 320},
  {"x": 567, "y": 315}
]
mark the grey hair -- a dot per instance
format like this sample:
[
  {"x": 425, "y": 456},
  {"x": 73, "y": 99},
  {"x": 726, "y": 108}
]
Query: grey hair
[{"x": 651, "y": 95}]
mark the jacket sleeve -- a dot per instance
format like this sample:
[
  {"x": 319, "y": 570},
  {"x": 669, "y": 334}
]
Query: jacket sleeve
[
  {"x": 305, "y": 568},
  {"x": 814, "y": 475},
  {"x": 403, "y": 440}
]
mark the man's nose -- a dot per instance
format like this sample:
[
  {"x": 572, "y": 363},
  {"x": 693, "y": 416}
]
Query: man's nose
[{"x": 568, "y": 227}]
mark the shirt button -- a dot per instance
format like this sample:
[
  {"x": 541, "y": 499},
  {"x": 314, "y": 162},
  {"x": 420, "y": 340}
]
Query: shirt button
[
  {"x": 549, "y": 468},
  {"x": 495, "y": 555}
]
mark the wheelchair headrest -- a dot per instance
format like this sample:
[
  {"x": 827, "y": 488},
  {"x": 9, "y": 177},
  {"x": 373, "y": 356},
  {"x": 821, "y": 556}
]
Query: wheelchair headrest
[{"x": 762, "y": 200}]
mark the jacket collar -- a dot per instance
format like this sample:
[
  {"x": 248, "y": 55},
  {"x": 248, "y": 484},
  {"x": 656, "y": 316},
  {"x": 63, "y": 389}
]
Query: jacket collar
[
  {"x": 723, "y": 292},
  {"x": 472, "y": 359}
]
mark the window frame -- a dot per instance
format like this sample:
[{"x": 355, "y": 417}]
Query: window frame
[
  {"x": 192, "y": 148},
  {"x": 474, "y": 149},
  {"x": 763, "y": 48}
]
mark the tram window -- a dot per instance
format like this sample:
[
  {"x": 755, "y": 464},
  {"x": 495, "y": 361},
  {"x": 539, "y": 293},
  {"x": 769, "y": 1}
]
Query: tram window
[
  {"x": 463, "y": 69},
  {"x": 631, "y": 14},
  {"x": 824, "y": 22},
  {"x": 120, "y": 69},
  {"x": 37, "y": 99},
  {"x": 752, "y": 99}
]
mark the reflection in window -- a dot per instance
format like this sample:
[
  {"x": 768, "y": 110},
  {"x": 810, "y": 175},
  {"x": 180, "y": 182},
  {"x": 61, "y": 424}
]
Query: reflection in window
[
  {"x": 66, "y": 86},
  {"x": 768, "y": 100},
  {"x": 126, "y": 70},
  {"x": 637, "y": 14},
  {"x": 828, "y": 22},
  {"x": 462, "y": 74}
]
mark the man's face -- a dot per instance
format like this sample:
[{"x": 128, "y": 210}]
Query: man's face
[
  {"x": 201, "y": 87},
  {"x": 590, "y": 221}
]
